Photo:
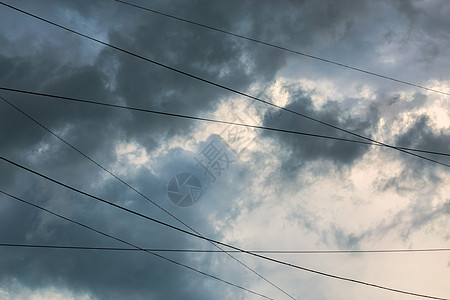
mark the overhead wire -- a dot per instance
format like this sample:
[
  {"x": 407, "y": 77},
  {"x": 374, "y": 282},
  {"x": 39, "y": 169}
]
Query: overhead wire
[
  {"x": 161, "y": 65},
  {"x": 70, "y": 145},
  {"x": 280, "y": 262},
  {"x": 86, "y": 101},
  {"x": 143, "y": 195},
  {"x": 211, "y": 82},
  {"x": 214, "y": 83},
  {"x": 133, "y": 245},
  {"x": 281, "y": 47},
  {"x": 66, "y": 247}
]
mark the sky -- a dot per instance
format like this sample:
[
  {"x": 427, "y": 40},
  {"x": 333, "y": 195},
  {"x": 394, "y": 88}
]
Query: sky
[{"x": 250, "y": 188}]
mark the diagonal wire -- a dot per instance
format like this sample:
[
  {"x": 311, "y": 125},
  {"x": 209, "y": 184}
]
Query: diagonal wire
[
  {"x": 208, "y": 81},
  {"x": 39, "y": 246},
  {"x": 219, "y": 121},
  {"x": 282, "y": 48},
  {"x": 213, "y": 83},
  {"x": 216, "y": 241},
  {"x": 142, "y": 195},
  {"x": 133, "y": 245}
]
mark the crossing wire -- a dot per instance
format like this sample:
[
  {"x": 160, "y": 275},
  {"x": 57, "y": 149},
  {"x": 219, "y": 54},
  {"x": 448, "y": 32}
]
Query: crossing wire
[
  {"x": 133, "y": 245},
  {"x": 213, "y": 83},
  {"x": 218, "y": 242},
  {"x": 402, "y": 251},
  {"x": 141, "y": 194},
  {"x": 86, "y": 101}
]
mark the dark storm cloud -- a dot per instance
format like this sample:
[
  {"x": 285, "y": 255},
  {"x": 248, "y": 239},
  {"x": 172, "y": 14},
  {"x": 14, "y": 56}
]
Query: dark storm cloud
[
  {"x": 75, "y": 123},
  {"x": 142, "y": 275},
  {"x": 200, "y": 52},
  {"x": 35, "y": 56},
  {"x": 301, "y": 150},
  {"x": 422, "y": 136},
  {"x": 428, "y": 35},
  {"x": 67, "y": 65},
  {"x": 417, "y": 173}
]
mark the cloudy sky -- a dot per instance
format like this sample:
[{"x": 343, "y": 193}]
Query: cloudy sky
[{"x": 256, "y": 189}]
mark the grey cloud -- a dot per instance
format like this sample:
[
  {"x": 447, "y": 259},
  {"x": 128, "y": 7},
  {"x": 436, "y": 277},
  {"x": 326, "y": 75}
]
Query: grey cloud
[
  {"x": 35, "y": 56},
  {"x": 136, "y": 273},
  {"x": 346, "y": 240},
  {"x": 301, "y": 150},
  {"x": 415, "y": 173},
  {"x": 416, "y": 216},
  {"x": 422, "y": 136},
  {"x": 419, "y": 214}
]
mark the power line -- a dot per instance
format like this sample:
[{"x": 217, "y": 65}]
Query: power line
[
  {"x": 142, "y": 195},
  {"x": 186, "y": 74},
  {"x": 168, "y": 250},
  {"x": 214, "y": 83},
  {"x": 218, "y": 242},
  {"x": 12, "y": 245},
  {"x": 133, "y": 245},
  {"x": 283, "y": 48},
  {"x": 220, "y": 121}
]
